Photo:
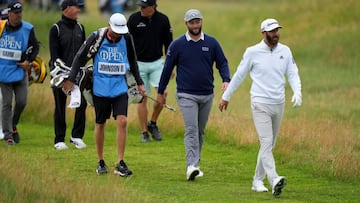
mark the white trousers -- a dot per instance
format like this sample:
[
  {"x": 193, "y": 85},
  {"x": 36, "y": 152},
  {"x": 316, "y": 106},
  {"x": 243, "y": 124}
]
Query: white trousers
[{"x": 267, "y": 120}]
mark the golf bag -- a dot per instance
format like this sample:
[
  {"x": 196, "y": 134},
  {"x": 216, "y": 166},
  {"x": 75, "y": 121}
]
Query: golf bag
[
  {"x": 37, "y": 73},
  {"x": 84, "y": 78}
]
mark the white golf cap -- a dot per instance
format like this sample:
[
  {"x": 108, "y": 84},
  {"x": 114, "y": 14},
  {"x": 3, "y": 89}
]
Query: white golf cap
[
  {"x": 192, "y": 14},
  {"x": 269, "y": 24},
  {"x": 117, "y": 23}
]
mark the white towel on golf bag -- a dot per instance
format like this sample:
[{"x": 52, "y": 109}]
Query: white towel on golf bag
[{"x": 75, "y": 97}]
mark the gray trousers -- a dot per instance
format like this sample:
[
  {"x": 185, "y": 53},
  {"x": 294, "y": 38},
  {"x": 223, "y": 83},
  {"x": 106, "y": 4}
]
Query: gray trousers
[
  {"x": 267, "y": 120},
  {"x": 195, "y": 111},
  {"x": 10, "y": 115}
]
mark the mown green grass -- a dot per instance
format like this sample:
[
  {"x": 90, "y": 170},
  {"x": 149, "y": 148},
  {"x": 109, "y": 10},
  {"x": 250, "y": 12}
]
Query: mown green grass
[
  {"x": 318, "y": 149},
  {"x": 35, "y": 172}
]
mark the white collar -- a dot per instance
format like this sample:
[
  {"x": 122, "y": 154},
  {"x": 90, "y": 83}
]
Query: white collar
[{"x": 188, "y": 38}]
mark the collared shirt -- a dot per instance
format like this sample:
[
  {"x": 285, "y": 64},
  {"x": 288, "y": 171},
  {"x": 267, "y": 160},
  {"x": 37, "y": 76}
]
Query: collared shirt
[{"x": 188, "y": 37}]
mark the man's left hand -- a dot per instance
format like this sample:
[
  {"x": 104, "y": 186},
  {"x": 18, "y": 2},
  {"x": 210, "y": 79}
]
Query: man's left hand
[
  {"x": 26, "y": 65},
  {"x": 296, "y": 99}
]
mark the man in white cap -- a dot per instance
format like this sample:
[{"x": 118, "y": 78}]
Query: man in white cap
[
  {"x": 112, "y": 58},
  {"x": 267, "y": 63},
  {"x": 194, "y": 54}
]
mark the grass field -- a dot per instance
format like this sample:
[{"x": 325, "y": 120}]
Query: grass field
[{"x": 319, "y": 145}]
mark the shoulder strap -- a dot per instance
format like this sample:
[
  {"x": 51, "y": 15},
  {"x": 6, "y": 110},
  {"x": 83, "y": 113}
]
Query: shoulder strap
[
  {"x": 99, "y": 39},
  {"x": 81, "y": 28},
  {"x": 58, "y": 29}
]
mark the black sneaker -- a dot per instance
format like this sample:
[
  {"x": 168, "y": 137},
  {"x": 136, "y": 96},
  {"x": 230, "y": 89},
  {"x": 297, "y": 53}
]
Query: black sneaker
[
  {"x": 122, "y": 170},
  {"x": 102, "y": 168},
  {"x": 145, "y": 137},
  {"x": 16, "y": 136},
  {"x": 154, "y": 130}
]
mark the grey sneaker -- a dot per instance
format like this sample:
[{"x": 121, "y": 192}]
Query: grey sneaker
[
  {"x": 145, "y": 137},
  {"x": 102, "y": 168},
  {"x": 122, "y": 170},
  {"x": 154, "y": 130}
]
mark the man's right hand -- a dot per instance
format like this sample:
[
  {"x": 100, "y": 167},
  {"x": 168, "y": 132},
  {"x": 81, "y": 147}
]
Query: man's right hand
[
  {"x": 67, "y": 86},
  {"x": 161, "y": 98},
  {"x": 223, "y": 105}
]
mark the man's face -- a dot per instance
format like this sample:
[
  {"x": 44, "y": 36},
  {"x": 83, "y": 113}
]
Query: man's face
[
  {"x": 15, "y": 18},
  {"x": 147, "y": 11},
  {"x": 194, "y": 26},
  {"x": 72, "y": 12},
  {"x": 272, "y": 37},
  {"x": 114, "y": 36}
]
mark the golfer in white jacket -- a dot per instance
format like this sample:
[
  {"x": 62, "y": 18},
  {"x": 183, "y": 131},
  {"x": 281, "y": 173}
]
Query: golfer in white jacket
[{"x": 268, "y": 63}]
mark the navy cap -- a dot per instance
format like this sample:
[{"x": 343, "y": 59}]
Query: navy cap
[
  {"x": 145, "y": 3},
  {"x": 65, "y": 3}
]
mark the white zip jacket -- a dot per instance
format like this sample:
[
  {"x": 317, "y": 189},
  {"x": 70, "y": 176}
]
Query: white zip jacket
[{"x": 268, "y": 68}]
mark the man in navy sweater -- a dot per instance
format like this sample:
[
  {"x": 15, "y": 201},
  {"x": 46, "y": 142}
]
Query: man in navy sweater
[{"x": 194, "y": 54}]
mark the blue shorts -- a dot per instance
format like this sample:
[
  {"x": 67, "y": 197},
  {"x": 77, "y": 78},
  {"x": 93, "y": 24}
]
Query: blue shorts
[
  {"x": 104, "y": 105},
  {"x": 150, "y": 73}
]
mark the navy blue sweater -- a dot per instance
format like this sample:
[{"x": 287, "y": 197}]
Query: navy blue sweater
[{"x": 194, "y": 65}]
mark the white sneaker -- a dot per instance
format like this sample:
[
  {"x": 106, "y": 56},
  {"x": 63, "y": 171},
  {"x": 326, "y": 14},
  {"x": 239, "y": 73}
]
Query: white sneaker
[
  {"x": 192, "y": 172},
  {"x": 79, "y": 143},
  {"x": 60, "y": 146},
  {"x": 278, "y": 184},
  {"x": 201, "y": 174},
  {"x": 258, "y": 186},
  {"x": 1, "y": 134}
]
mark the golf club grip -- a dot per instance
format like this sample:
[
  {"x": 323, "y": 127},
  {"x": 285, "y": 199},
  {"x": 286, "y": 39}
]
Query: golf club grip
[
  {"x": 169, "y": 107},
  {"x": 164, "y": 105}
]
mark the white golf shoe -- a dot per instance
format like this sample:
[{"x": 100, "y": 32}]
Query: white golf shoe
[
  {"x": 192, "y": 172},
  {"x": 258, "y": 186},
  {"x": 60, "y": 146},
  {"x": 79, "y": 143},
  {"x": 1, "y": 134},
  {"x": 278, "y": 184}
]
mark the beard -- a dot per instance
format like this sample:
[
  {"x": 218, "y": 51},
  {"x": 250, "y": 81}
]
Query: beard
[
  {"x": 191, "y": 31},
  {"x": 272, "y": 40}
]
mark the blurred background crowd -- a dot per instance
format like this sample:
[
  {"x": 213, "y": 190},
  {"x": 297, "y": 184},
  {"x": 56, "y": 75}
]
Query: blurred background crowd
[{"x": 106, "y": 7}]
